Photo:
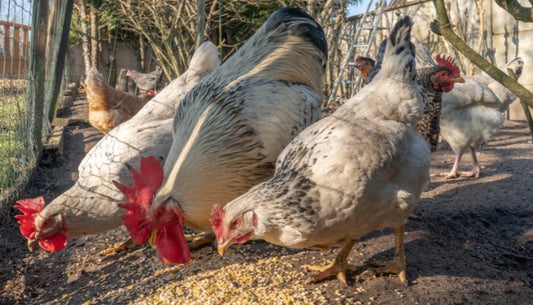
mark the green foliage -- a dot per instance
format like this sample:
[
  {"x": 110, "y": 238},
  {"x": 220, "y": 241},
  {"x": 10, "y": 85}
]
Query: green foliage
[{"x": 13, "y": 152}]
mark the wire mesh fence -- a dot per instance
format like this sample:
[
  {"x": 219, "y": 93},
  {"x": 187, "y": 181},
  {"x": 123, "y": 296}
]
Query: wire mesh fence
[
  {"x": 17, "y": 157},
  {"x": 33, "y": 40}
]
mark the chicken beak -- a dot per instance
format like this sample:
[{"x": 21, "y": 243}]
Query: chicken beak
[
  {"x": 222, "y": 247},
  {"x": 152, "y": 239},
  {"x": 31, "y": 244},
  {"x": 458, "y": 79}
]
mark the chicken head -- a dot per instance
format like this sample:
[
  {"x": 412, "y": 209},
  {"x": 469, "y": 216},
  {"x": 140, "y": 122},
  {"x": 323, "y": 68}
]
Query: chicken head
[
  {"x": 239, "y": 230},
  {"x": 365, "y": 65},
  {"x": 165, "y": 228},
  {"x": 447, "y": 75},
  {"x": 48, "y": 231}
]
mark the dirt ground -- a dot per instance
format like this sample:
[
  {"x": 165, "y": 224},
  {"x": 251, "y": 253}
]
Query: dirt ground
[{"x": 470, "y": 241}]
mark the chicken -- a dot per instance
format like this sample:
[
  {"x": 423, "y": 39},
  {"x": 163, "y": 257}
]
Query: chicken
[
  {"x": 434, "y": 79},
  {"x": 108, "y": 107},
  {"x": 358, "y": 170},
  {"x": 365, "y": 65},
  {"x": 230, "y": 129},
  {"x": 90, "y": 205},
  {"x": 472, "y": 113},
  {"x": 146, "y": 81}
]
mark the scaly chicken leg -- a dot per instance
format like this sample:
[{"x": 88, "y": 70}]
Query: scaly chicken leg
[
  {"x": 339, "y": 266},
  {"x": 454, "y": 172},
  {"x": 476, "y": 169},
  {"x": 397, "y": 265}
]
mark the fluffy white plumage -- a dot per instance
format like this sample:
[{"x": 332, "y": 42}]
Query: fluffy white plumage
[
  {"x": 472, "y": 114},
  {"x": 360, "y": 169}
]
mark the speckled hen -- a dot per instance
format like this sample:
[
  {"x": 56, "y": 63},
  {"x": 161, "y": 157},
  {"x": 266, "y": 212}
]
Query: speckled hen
[
  {"x": 358, "y": 170},
  {"x": 230, "y": 128}
]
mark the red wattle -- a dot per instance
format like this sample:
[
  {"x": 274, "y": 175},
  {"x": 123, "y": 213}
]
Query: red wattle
[
  {"x": 54, "y": 243},
  {"x": 172, "y": 247}
]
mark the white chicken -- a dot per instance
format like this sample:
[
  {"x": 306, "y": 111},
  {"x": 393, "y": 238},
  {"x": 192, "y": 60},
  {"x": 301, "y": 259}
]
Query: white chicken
[
  {"x": 229, "y": 130},
  {"x": 90, "y": 205},
  {"x": 358, "y": 170},
  {"x": 472, "y": 113}
]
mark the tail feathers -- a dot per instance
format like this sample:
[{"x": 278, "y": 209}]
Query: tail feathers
[
  {"x": 401, "y": 31},
  {"x": 140, "y": 197},
  {"x": 205, "y": 58},
  {"x": 400, "y": 51},
  {"x": 307, "y": 27},
  {"x": 516, "y": 65},
  {"x": 397, "y": 42}
]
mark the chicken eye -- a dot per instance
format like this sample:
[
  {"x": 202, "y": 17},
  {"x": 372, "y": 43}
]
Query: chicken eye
[{"x": 235, "y": 223}]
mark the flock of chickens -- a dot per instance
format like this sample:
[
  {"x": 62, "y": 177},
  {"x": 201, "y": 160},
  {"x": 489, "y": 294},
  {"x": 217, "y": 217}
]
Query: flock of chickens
[{"x": 239, "y": 151}]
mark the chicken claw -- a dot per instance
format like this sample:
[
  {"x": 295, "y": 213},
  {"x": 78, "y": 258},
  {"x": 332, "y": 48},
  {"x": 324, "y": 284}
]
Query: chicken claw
[
  {"x": 397, "y": 265},
  {"x": 338, "y": 267},
  {"x": 117, "y": 248}
]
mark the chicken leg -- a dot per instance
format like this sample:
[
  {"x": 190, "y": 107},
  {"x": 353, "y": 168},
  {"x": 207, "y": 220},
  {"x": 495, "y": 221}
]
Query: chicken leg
[
  {"x": 476, "y": 169},
  {"x": 117, "y": 248},
  {"x": 454, "y": 172},
  {"x": 338, "y": 267},
  {"x": 397, "y": 265}
]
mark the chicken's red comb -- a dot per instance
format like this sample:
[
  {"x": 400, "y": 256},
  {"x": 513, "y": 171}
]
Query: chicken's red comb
[
  {"x": 151, "y": 92},
  {"x": 30, "y": 208},
  {"x": 448, "y": 62},
  {"x": 140, "y": 197},
  {"x": 216, "y": 222}
]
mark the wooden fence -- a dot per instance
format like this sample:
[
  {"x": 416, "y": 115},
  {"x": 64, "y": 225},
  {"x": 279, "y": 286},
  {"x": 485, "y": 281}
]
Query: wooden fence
[{"x": 14, "y": 54}]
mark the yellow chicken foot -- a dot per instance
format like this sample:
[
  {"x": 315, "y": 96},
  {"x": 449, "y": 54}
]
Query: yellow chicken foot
[
  {"x": 397, "y": 265},
  {"x": 202, "y": 241},
  {"x": 117, "y": 248},
  {"x": 338, "y": 267}
]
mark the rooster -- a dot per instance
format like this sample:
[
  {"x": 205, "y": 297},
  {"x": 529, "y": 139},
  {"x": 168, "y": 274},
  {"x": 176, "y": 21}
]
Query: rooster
[
  {"x": 229, "y": 130},
  {"x": 472, "y": 113},
  {"x": 434, "y": 79},
  {"x": 108, "y": 107},
  {"x": 90, "y": 205},
  {"x": 146, "y": 81},
  {"x": 358, "y": 170}
]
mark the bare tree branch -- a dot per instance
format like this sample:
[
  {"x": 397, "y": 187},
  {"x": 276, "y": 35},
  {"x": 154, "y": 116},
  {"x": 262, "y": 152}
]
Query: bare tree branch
[{"x": 518, "y": 11}]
